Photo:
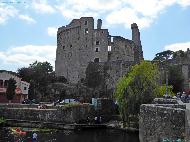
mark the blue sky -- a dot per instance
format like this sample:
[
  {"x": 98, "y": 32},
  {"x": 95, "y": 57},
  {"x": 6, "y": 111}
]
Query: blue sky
[{"x": 28, "y": 27}]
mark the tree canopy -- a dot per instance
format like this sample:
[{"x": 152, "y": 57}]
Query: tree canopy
[
  {"x": 175, "y": 75},
  {"x": 10, "y": 93},
  {"x": 163, "y": 56},
  {"x": 38, "y": 74},
  {"x": 137, "y": 87}
]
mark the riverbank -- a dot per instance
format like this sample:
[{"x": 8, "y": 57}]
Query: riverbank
[
  {"x": 93, "y": 135},
  {"x": 117, "y": 125}
]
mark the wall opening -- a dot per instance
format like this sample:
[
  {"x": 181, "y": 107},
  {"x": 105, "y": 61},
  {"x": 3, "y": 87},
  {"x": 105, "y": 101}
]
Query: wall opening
[
  {"x": 96, "y": 60},
  {"x": 97, "y": 49},
  {"x": 111, "y": 38},
  {"x": 97, "y": 42},
  {"x": 85, "y": 22},
  {"x": 86, "y": 30},
  {"x": 6, "y": 83},
  {"x": 109, "y": 48},
  {"x": 1, "y": 83}
]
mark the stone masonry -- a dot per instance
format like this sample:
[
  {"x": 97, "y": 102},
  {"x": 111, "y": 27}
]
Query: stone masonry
[
  {"x": 79, "y": 43},
  {"x": 165, "y": 120}
]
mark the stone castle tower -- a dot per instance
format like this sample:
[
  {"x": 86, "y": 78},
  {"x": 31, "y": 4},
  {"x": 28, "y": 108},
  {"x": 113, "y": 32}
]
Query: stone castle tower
[{"x": 79, "y": 43}]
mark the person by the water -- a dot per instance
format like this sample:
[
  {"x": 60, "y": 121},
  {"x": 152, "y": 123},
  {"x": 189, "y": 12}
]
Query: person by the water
[{"x": 34, "y": 137}]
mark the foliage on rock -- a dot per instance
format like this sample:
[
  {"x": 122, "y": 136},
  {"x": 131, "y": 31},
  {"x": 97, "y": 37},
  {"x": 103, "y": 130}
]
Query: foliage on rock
[{"x": 137, "y": 87}]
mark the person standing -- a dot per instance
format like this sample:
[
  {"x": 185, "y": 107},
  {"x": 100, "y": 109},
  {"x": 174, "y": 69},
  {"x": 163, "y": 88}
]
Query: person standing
[{"x": 34, "y": 137}]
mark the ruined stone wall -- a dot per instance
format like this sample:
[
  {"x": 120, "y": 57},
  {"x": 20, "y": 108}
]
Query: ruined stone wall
[
  {"x": 61, "y": 114},
  {"x": 114, "y": 71},
  {"x": 157, "y": 122},
  {"x": 107, "y": 74},
  {"x": 136, "y": 39},
  {"x": 100, "y": 44},
  {"x": 74, "y": 48},
  {"x": 122, "y": 49},
  {"x": 79, "y": 43},
  {"x": 187, "y": 128},
  {"x": 185, "y": 72}
]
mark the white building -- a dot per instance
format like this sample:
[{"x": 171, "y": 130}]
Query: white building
[{"x": 21, "y": 89}]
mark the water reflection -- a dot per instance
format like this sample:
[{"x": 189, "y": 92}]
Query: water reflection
[{"x": 104, "y": 135}]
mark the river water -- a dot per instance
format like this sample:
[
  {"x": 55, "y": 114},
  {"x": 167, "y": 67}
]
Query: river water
[{"x": 102, "y": 135}]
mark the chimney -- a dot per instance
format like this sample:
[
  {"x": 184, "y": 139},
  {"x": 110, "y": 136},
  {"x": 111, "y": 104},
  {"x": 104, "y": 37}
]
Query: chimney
[{"x": 99, "y": 24}]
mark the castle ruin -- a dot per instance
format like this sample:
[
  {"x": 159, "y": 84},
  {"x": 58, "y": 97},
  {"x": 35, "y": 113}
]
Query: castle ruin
[{"x": 79, "y": 43}]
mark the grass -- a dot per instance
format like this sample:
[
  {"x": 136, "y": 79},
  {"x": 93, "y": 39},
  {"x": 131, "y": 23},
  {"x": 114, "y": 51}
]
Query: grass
[{"x": 2, "y": 120}]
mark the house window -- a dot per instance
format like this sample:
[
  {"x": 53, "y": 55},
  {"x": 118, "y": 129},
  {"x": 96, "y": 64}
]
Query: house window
[
  {"x": 63, "y": 47},
  {"x": 96, "y": 49},
  {"x": 1, "y": 83},
  {"x": 96, "y": 60},
  {"x": 86, "y": 30},
  {"x": 70, "y": 45},
  {"x": 97, "y": 42},
  {"x": 85, "y": 22},
  {"x": 24, "y": 88},
  {"x": 6, "y": 83}
]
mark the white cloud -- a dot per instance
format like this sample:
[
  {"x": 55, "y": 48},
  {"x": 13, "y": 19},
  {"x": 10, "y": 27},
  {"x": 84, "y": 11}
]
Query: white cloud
[
  {"x": 7, "y": 12},
  {"x": 41, "y": 6},
  {"x": 143, "y": 12},
  {"x": 178, "y": 46},
  {"x": 27, "y": 18},
  {"x": 184, "y": 3},
  {"x": 25, "y": 55},
  {"x": 52, "y": 31},
  {"x": 73, "y": 9},
  {"x": 115, "y": 18}
]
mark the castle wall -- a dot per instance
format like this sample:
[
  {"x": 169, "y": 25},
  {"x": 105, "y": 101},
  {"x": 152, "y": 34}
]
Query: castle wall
[
  {"x": 100, "y": 45},
  {"x": 185, "y": 72},
  {"x": 114, "y": 71},
  {"x": 80, "y": 43},
  {"x": 74, "y": 49},
  {"x": 122, "y": 49}
]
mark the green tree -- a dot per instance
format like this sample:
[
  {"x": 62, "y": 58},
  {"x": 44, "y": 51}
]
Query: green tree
[
  {"x": 137, "y": 87},
  {"x": 10, "y": 93},
  {"x": 174, "y": 73},
  {"x": 164, "y": 56},
  {"x": 39, "y": 75},
  {"x": 161, "y": 91}
]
